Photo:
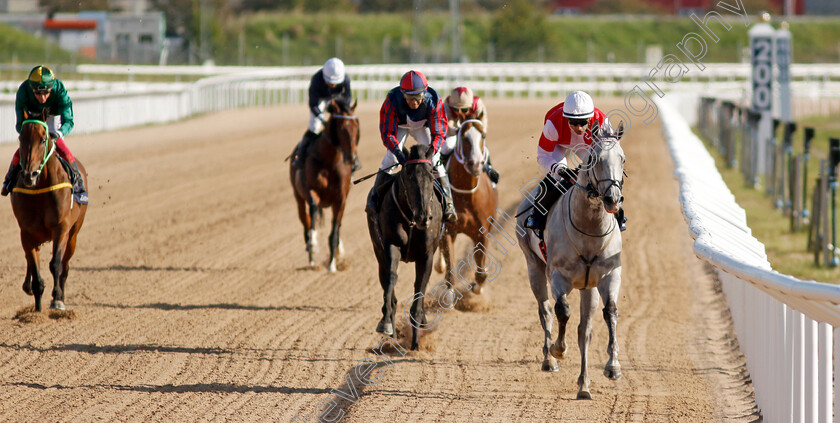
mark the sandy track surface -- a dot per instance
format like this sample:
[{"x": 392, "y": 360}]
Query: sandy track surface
[{"x": 192, "y": 301}]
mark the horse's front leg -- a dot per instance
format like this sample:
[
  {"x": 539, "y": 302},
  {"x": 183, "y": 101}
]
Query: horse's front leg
[
  {"x": 422, "y": 272},
  {"x": 536, "y": 275},
  {"x": 561, "y": 308},
  {"x": 57, "y": 269},
  {"x": 338, "y": 213},
  {"x": 312, "y": 235},
  {"x": 303, "y": 215},
  {"x": 588, "y": 305},
  {"x": 388, "y": 279},
  {"x": 609, "y": 293},
  {"x": 34, "y": 283},
  {"x": 480, "y": 264}
]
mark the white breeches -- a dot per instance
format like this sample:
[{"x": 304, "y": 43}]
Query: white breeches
[{"x": 423, "y": 137}]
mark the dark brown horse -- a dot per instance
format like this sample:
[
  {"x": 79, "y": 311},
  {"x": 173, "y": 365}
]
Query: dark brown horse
[
  {"x": 42, "y": 201},
  {"x": 324, "y": 180},
  {"x": 474, "y": 196},
  {"x": 407, "y": 228}
]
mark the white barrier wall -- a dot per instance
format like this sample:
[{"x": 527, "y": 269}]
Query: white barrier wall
[
  {"x": 784, "y": 325},
  {"x": 109, "y": 105}
]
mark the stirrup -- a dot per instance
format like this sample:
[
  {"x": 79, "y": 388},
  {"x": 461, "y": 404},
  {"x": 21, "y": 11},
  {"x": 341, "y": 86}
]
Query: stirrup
[{"x": 535, "y": 221}]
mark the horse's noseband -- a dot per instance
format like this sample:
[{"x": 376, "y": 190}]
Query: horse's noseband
[{"x": 411, "y": 221}]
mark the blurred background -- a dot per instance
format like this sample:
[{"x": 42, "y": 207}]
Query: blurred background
[{"x": 306, "y": 32}]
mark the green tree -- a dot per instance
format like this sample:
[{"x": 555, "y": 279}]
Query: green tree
[{"x": 518, "y": 30}]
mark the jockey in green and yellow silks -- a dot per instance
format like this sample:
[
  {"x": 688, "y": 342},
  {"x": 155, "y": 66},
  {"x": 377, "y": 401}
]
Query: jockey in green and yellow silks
[{"x": 43, "y": 90}]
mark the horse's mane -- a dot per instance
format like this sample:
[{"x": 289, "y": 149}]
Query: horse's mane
[{"x": 418, "y": 151}]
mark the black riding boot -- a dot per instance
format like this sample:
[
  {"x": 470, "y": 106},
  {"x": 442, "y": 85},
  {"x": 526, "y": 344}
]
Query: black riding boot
[
  {"x": 302, "y": 148},
  {"x": 10, "y": 180},
  {"x": 536, "y": 220},
  {"x": 372, "y": 206},
  {"x": 622, "y": 220},
  {"x": 492, "y": 173},
  {"x": 449, "y": 214},
  {"x": 79, "y": 182}
]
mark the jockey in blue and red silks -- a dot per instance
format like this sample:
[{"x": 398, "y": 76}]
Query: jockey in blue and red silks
[
  {"x": 413, "y": 109},
  {"x": 568, "y": 126}
]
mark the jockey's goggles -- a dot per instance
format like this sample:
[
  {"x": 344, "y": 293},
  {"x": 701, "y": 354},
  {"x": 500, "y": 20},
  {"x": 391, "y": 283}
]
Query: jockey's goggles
[
  {"x": 40, "y": 90},
  {"x": 464, "y": 109},
  {"x": 578, "y": 122},
  {"x": 414, "y": 97}
]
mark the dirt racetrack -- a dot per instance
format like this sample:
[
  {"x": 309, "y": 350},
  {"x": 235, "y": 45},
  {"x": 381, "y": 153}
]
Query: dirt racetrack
[{"x": 192, "y": 301}]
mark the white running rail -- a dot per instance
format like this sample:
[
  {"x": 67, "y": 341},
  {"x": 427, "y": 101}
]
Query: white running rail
[
  {"x": 103, "y": 106},
  {"x": 784, "y": 325}
]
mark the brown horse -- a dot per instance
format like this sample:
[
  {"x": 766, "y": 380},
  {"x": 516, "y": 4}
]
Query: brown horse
[
  {"x": 42, "y": 201},
  {"x": 324, "y": 180},
  {"x": 474, "y": 196}
]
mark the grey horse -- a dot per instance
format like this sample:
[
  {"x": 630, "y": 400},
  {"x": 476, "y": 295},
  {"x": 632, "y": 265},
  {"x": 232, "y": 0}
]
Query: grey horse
[{"x": 583, "y": 251}]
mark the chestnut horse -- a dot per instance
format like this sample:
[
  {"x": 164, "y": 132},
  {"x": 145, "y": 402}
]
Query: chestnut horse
[
  {"x": 42, "y": 201},
  {"x": 474, "y": 196},
  {"x": 324, "y": 180}
]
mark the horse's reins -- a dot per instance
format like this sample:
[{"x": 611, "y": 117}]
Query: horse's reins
[
  {"x": 459, "y": 156},
  {"x": 43, "y": 164},
  {"x": 411, "y": 222}
]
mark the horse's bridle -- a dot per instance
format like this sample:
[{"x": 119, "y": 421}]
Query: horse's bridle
[
  {"x": 593, "y": 192},
  {"x": 345, "y": 117},
  {"x": 591, "y": 188},
  {"x": 43, "y": 140},
  {"x": 459, "y": 154},
  {"x": 411, "y": 222}
]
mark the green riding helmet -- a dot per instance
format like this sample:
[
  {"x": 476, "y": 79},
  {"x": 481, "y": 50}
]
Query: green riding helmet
[{"x": 41, "y": 78}]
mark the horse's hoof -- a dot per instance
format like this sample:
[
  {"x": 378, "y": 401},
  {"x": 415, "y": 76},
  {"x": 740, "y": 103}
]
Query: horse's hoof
[
  {"x": 385, "y": 328},
  {"x": 449, "y": 297},
  {"x": 57, "y": 305},
  {"x": 476, "y": 288},
  {"x": 332, "y": 267},
  {"x": 584, "y": 395},
  {"x": 27, "y": 288},
  {"x": 556, "y": 351},
  {"x": 550, "y": 365},
  {"x": 613, "y": 372}
]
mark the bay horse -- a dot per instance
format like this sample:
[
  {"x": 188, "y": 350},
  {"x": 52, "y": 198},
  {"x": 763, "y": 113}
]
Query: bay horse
[
  {"x": 42, "y": 201},
  {"x": 408, "y": 227},
  {"x": 324, "y": 180},
  {"x": 474, "y": 196},
  {"x": 582, "y": 251}
]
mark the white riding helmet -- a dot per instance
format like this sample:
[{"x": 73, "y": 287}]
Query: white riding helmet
[
  {"x": 334, "y": 71},
  {"x": 578, "y": 105}
]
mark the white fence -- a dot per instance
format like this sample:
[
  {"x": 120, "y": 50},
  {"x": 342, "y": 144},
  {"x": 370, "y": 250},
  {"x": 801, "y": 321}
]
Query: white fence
[
  {"x": 105, "y": 106},
  {"x": 784, "y": 325}
]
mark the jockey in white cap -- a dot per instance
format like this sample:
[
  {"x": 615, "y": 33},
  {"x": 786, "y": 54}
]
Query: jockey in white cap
[
  {"x": 568, "y": 127},
  {"x": 329, "y": 83},
  {"x": 460, "y": 106}
]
